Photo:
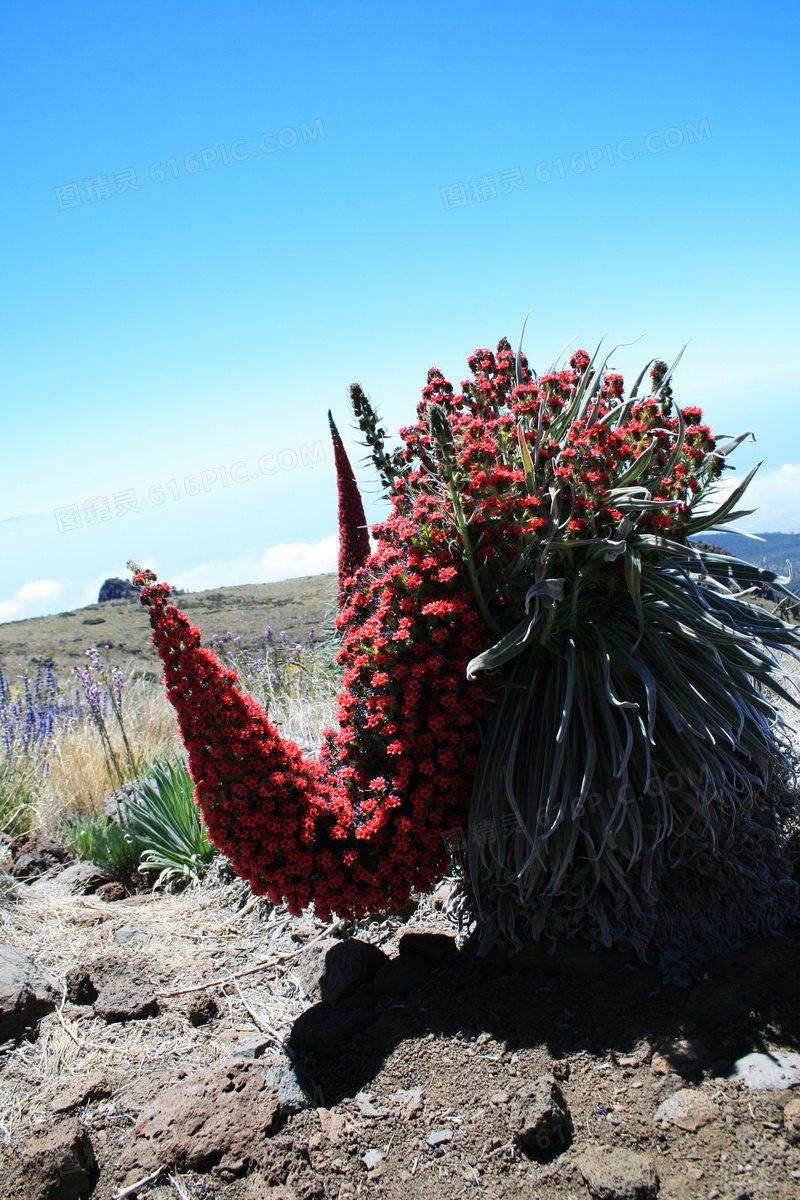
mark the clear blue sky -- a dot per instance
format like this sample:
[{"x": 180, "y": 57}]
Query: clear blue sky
[{"x": 178, "y": 325}]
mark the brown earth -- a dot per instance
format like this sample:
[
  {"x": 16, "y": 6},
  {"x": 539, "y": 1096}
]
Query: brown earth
[{"x": 418, "y": 1080}]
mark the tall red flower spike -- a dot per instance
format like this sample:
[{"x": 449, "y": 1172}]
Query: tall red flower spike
[
  {"x": 358, "y": 829},
  {"x": 353, "y": 535}
]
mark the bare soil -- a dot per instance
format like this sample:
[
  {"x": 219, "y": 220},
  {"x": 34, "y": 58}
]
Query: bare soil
[{"x": 469, "y": 1034}]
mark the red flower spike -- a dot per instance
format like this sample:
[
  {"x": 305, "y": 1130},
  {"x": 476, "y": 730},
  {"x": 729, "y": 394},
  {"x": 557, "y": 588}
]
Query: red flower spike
[{"x": 353, "y": 532}]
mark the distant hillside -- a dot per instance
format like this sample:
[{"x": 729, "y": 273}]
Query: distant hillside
[
  {"x": 773, "y": 552},
  {"x": 293, "y": 606}
]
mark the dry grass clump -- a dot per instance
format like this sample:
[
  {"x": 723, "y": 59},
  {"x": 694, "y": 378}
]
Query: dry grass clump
[{"x": 75, "y": 776}]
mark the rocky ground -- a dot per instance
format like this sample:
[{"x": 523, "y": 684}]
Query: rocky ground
[{"x": 208, "y": 1045}]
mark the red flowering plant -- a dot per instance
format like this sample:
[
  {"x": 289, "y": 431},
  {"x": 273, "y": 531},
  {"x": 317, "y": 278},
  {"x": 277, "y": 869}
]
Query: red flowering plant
[
  {"x": 628, "y": 748},
  {"x": 534, "y": 653}
]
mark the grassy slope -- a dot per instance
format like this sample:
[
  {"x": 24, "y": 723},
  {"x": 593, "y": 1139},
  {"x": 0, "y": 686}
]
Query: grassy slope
[{"x": 293, "y": 605}]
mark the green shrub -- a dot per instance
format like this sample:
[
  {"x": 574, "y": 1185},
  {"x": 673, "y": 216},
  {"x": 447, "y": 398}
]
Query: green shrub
[
  {"x": 102, "y": 841},
  {"x": 164, "y": 820}
]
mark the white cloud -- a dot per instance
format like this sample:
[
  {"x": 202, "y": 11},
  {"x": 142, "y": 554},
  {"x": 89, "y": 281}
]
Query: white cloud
[
  {"x": 31, "y": 594},
  {"x": 286, "y": 561},
  {"x": 40, "y": 589},
  {"x": 775, "y": 495}
]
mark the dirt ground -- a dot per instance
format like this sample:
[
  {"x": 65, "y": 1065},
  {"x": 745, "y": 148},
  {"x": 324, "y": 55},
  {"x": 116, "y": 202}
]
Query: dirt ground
[{"x": 418, "y": 1101}]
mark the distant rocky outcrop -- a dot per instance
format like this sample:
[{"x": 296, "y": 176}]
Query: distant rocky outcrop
[{"x": 117, "y": 589}]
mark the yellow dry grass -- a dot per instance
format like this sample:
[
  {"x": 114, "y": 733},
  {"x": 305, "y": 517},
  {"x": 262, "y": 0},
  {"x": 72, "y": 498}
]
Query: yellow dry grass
[{"x": 77, "y": 773}]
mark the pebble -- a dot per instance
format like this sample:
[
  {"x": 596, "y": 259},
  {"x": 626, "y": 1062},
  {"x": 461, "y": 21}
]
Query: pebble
[
  {"x": 772, "y": 1070},
  {"x": 439, "y": 1137},
  {"x": 371, "y": 1159},
  {"x": 688, "y": 1109}
]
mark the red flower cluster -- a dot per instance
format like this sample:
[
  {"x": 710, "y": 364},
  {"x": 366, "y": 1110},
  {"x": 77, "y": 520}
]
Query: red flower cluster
[
  {"x": 356, "y": 831},
  {"x": 508, "y": 504}
]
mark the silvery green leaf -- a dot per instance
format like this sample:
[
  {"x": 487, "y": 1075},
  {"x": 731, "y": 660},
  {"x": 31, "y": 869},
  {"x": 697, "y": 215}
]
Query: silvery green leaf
[{"x": 557, "y": 358}]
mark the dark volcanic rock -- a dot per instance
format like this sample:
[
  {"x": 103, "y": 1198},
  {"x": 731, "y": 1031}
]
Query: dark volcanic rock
[
  {"x": 331, "y": 970},
  {"x": 539, "y": 1115},
  {"x": 25, "y": 993},
  {"x": 34, "y": 854},
  {"x": 217, "y": 1117},
  {"x": 118, "y": 989},
  {"x": 433, "y": 947},
  {"x": 202, "y": 1009},
  {"x": 77, "y": 1094},
  {"x": 60, "y": 1165},
  {"x": 321, "y": 1030},
  {"x": 82, "y": 879},
  {"x": 617, "y": 1174},
  {"x": 401, "y": 975},
  {"x": 118, "y": 589}
]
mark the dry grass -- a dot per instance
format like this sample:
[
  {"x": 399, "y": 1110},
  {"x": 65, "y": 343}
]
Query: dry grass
[{"x": 75, "y": 776}]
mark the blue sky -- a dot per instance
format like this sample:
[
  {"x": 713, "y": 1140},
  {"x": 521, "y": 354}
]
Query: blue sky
[{"x": 193, "y": 322}]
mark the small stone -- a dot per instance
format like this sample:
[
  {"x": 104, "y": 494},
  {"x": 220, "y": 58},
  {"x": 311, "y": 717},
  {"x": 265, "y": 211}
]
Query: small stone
[
  {"x": 539, "y": 1113},
  {"x": 367, "y": 1108},
  {"x": 255, "y": 1048},
  {"x": 688, "y": 1109},
  {"x": 659, "y": 1065},
  {"x": 772, "y": 1070},
  {"x": 85, "y": 920},
  {"x": 410, "y": 1101},
  {"x": 129, "y": 933},
  {"x": 202, "y": 1009},
  {"x": 371, "y": 1159},
  {"x": 333, "y": 1124},
  {"x": 791, "y": 1119},
  {"x": 499, "y": 1098},
  {"x": 439, "y": 1137},
  {"x": 618, "y": 1174},
  {"x": 110, "y": 892},
  {"x": 80, "y": 1092},
  {"x": 82, "y": 879}
]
